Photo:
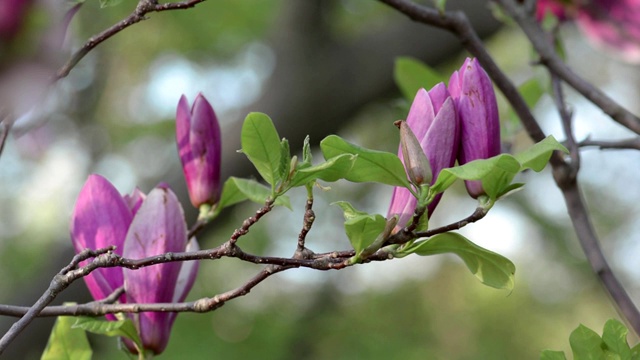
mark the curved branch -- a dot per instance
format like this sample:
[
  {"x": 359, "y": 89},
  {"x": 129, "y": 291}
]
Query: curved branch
[{"x": 144, "y": 7}]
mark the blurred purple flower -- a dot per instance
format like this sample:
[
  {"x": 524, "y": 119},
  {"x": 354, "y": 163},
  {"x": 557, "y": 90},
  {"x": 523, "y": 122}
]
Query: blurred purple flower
[
  {"x": 200, "y": 147},
  {"x": 12, "y": 15},
  {"x": 613, "y": 25},
  {"x": 472, "y": 90},
  {"x": 433, "y": 120},
  {"x": 555, "y": 7},
  {"x": 139, "y": 227}
]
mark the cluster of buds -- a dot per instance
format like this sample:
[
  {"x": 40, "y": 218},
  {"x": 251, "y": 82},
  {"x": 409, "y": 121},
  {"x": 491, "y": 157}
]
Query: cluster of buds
[
  {"x": 138, "y": 226},
  {"x": 141, "y": 226},
  {"x": 610, "y": 24},
  {"x": 455, "y": 123}
]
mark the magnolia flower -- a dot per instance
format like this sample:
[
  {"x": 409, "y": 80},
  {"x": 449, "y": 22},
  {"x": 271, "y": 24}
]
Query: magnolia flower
[
  {"x": 478, "y": 111},
  {"x": 139, "y": 226},
  {"x": 434, "y": 122},
  {"x": 199, "y": 146}
]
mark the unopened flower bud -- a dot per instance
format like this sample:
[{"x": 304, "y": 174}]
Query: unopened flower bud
[
  {"x": 478, "y": 111},
  {"x": 199, "y": 146}
]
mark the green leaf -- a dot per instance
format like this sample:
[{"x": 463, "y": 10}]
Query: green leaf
[
  {"x": 332, "y": 170},
  {"x": 66, "y": 343},
  {"x": 362, "y": 230},
  {"x": 552, "y": 355},
  {"x": 261, "y": 144},
  {"x": 537, "y": 156},
  {"x": 614, "y": 336},
  {"x": 285, "y": 159},
  {"x": 586, "y": 344},
  {"x": 124, "y": 328},
  {"x": 496, "y": 174},
  {"x": 109, "y": 3},
  {"x": 370, "y": 165},
  {"x": 411, "y": 75},
  {"x": 492, "y": 269},
  {"x": 236, "y": 190},
  {"x": 348, "y": 210},
  {"x": 306, "y": 151}
]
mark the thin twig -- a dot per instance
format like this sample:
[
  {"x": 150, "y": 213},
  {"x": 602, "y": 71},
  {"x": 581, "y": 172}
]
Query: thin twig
[
  {"x": 144, "y": 7},
  {"x": 5, "y": 127},
  {"x": 566, "y": 118},
  {"x": 247, "y": 223},
  {"x": 626, "y": 144},
  {"x": 307, "y": 222}
]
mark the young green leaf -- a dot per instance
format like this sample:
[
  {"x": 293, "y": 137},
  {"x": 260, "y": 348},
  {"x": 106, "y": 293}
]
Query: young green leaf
[
  {"x": 331, "y": 170},
  {"x": 537, "y": 156},
  {"x": 285, "y": 159},
  {"x": 411, "y": 75},
  {"x": 362, "y": 230},
  {"x": 614, "y": 336},
  {"x": 306, "y": 151},
  {"x": 236, "y": 190},
  {"x": 123, "y": 328},
  {"x": 66, "y": 343},
  {"x": 552, "y": 355},
  {"x": 496, "y": 174},
  {"x": 492, "y": 269},
  {"x": 348, "y": 210},
  {"x": 586, "y": 344},
  {"x": 370, "y": 165},
  {"x": 261, "y": 144}
]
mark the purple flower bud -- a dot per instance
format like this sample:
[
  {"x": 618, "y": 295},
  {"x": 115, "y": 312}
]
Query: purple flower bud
[
  {"x": 434, "y": 122},
  {"x": 100, "y": 218},
  {"x": 199, "y": 146},
  {"x": 415, "y": 160},
  {"x": 478, "y": 111},
  {"x": 158, "y": 227}
]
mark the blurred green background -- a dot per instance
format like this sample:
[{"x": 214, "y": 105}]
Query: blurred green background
[{"x": 316, "y": 67}]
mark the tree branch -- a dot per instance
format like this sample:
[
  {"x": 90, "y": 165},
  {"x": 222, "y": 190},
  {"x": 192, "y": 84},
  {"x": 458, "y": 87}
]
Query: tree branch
[
  {"x": 144, "y": 7},
  {"x": 60, "y": 282},
  {"x": 633, "y": 143}
]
